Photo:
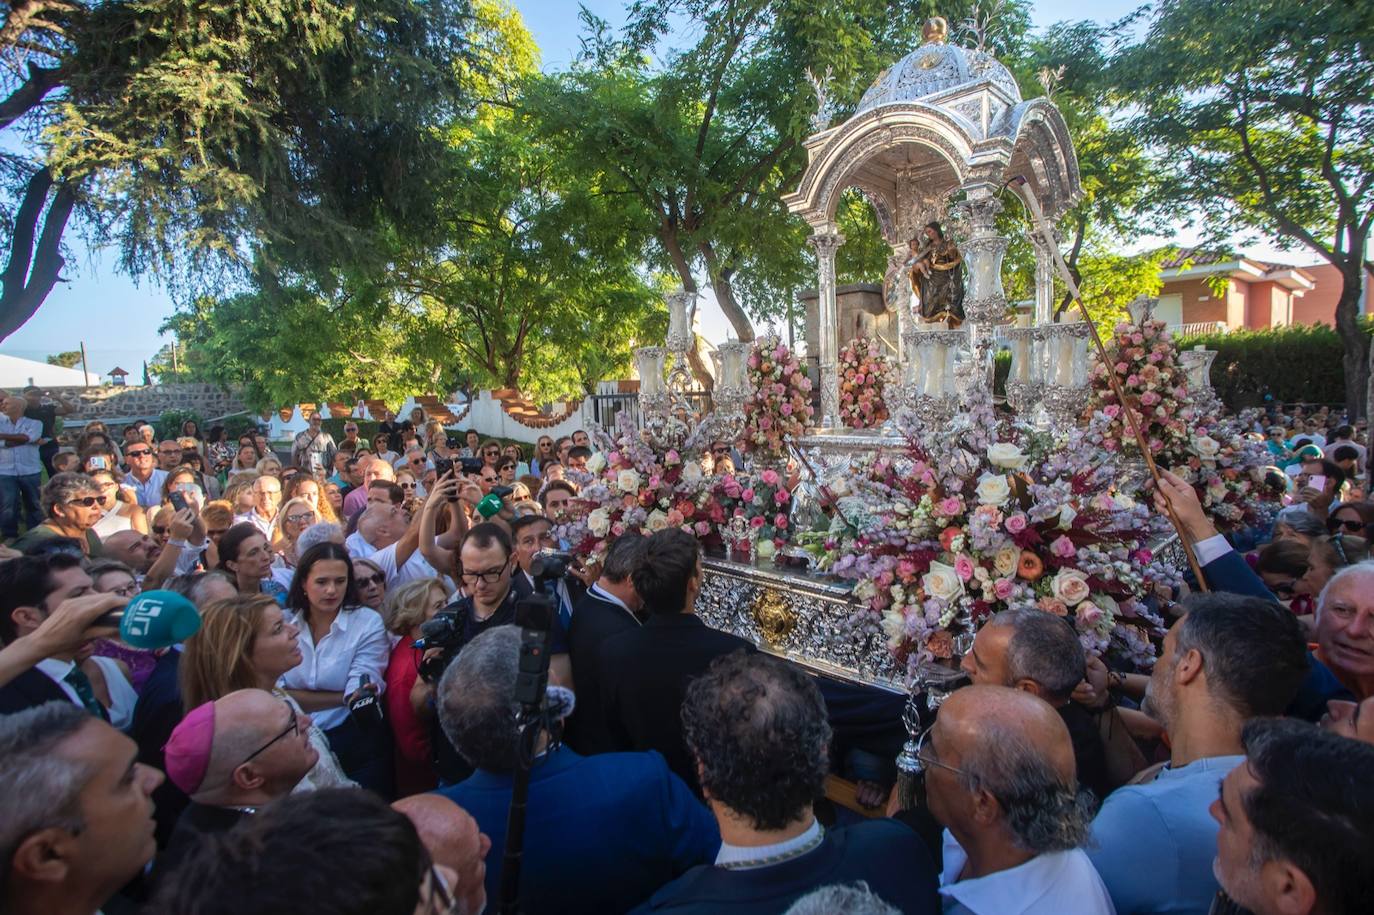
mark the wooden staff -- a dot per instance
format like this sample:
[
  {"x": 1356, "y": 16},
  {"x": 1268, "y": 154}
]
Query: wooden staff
[{"x": 1042, "y": 227}]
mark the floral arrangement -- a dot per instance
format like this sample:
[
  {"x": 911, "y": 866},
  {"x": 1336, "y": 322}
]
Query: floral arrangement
[
  {"x": 1226, "y": 469},
  {"x": 780, "y": 407},
  {"x": 987, "y": 517},
  {"x": 633, "y": 488},
  {"x": 1145, "y": 360},
  {"x": 863, "y": 376}
]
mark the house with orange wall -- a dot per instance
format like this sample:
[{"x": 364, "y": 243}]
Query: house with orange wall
[{"x": 1206, "y": 290}]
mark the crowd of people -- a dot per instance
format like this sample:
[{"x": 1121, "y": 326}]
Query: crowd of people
[{"x": 343, "y": 731}]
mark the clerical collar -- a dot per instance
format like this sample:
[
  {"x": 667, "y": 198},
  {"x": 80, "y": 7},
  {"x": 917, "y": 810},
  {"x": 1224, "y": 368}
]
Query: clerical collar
[{"x": 741, "y": 858}]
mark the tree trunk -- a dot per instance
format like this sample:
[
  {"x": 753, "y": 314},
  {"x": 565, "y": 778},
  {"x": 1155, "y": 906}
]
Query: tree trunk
[
  {"x": 1354, "y": 342},
  {"x": 31, "y": 272},
  {"x": 725, "y": 294},
  {"x": 41, "y": 81}
]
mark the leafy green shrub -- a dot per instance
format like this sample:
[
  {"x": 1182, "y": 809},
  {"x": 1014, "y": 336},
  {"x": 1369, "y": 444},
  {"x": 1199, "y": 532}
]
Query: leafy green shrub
[
  {"x": 1300, "y": 363},
  {"x": 168, "y": 425}
]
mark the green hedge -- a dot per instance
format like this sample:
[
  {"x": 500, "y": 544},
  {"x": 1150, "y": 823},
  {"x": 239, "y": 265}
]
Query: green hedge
[{"x": 1300, "y": 363}]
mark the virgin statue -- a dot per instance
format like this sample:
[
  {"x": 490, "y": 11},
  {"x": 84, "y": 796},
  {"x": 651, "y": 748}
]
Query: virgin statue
[{"x": 937, "y": 275}]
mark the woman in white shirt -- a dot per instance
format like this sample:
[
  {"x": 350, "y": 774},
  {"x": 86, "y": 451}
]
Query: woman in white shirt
[{"x": 341, "y": 643}]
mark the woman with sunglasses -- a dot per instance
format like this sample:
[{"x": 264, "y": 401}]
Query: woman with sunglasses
[
  {"x": 516, "y": 454},
  {"x": 371, "y": 581},
  {"x": 1355, "y": 518},
  {"x": 119, "y": 504},
  {"x": 380, "y": 448},
  {"x": 1282, "y": 564},
  {"x": 1327, "y": 557},
  {"x": 543, "y": 453},
  {"x": 341, "y": 642},
  {"x": 247, "y": 642},
  {"x": 409, "y": 483},
  {"x": 491, "y": 453}
]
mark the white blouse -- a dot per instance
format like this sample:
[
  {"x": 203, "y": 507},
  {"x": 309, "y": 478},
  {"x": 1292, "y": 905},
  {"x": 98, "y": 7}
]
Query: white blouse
[{"x": 355, "y": 644}]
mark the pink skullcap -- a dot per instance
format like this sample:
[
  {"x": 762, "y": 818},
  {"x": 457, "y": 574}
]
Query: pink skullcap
[{"x": 187, "y": 752}]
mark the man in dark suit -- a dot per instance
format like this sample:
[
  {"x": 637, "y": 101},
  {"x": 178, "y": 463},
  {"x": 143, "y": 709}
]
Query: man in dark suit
[
  {"x": 601, "y": 832},
  {"x": 608, "y": 608},
  {"x": 758, "y": 734},
  {"x": 644, "y": 672},
  {"x": 32, "y": 588},
  {"x": 532, "y": 534}
]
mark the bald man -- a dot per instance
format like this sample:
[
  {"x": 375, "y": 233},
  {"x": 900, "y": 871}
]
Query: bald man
[
  {"x": 232, "y": 757},
  {"x": 374, "y": 469},
  {"x": 453, "y": 840},
  {"x": 1000, "y": 778}
]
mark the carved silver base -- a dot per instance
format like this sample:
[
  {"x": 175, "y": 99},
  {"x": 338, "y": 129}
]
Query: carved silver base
[{"x": 1023, "y": 396}]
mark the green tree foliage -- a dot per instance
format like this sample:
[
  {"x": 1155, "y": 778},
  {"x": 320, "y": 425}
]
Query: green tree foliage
[
  {"x": 207, "y": 136},
  {"x": 705, "y": 139},
  {"x": 68, "y": 359},
  {"x": 1260, "y": 113}
]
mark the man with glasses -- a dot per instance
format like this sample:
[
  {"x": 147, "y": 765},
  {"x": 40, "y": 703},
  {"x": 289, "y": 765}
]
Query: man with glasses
[
  {"x": 71, "y": 506},
  {"x": 168, "y": 455},
  {"x": 144, "y": 475},
  {"x": 485, "y": 568},
  {"x": 350, "y": 439},
  {"x": 233, "y": 757},
  {"x": 1000, "y": 778},
  {"x": 266, "y": 501}
]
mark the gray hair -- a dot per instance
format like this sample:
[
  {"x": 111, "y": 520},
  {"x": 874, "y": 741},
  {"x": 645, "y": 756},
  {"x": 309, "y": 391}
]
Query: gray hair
[
  {"x": 1301, "y": 521},
  {"x": 1043, "y": 648},
  {"x": 319, "y": 532},
  {"x": 1366, "y": 567},
  {"x": 476, "y": 700},
  {"x": 1044, "y": 811},
  {"x": 39, "y": 789},
  {"x": 851, "y": 899},
  {"x": 63, "y": 487}
]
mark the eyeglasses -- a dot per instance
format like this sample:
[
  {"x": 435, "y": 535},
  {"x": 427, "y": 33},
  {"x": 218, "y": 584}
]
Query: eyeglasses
[
  {"x": 87, "y": 501},
  {"x": 407, "y": 485},
  {"x": 301, "y": 518},
  {"x": 1284, "y": 588},
  {"x": 292, "y": 728},
  {"x": 1353, "y": 527},
  {"x": 719, "y": 450},
  {"x": 139, "y": 453},
  {"x": 490, "y": 576},
  {"x": 492, "y": 451},
  {"x": 367, "y": 581},
  {"x": 925, "y": 752},
  {"x": 441, "y": 901},
  {"x": 128, "y": 590},
  {"x": 159, "y": 530}
]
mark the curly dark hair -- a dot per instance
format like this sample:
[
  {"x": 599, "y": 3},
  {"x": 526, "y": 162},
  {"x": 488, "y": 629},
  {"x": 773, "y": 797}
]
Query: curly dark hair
[{"x": 758, "y": 729}]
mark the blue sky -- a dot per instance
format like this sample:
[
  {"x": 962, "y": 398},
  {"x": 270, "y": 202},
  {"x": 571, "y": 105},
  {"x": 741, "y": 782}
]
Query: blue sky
[{"x": 117, "y": 317}]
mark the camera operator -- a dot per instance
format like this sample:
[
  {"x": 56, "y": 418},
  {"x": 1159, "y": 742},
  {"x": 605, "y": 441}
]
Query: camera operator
[
  {"x": 531, "y": 534},
  {"x": 485, "y": 568}
]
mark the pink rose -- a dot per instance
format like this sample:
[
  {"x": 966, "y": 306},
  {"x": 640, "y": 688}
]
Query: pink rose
[
  {"x": 780, "y": 521},
  {"x": 781, "y": 497},
  {"x": 702, "y": 528},
  {"x": 769, "y": 477},
  {"x": 675, "y": 518},
  {"x": 613, "y": 457},
  {"x": 618, "y": 528},
  {"x": 963, "y": 567},
  {"x": 949, "y": 505},
  {"x": 1016, "y": 523},
  {"x": 1003, "y": 588},
  {"x": 757, "y": 521},
  {"x": 747, "y": 495},
  {"x": 906, "y": 568},
  {"x": 785, "y": 409},
  {"x": 1063, "y": 547},
  {"x": 1112, "y": 411},
  {"x": 672, "y": 457},
  {"x": 1088, "y": 614},
  {"x": 1050, "y": 605}
]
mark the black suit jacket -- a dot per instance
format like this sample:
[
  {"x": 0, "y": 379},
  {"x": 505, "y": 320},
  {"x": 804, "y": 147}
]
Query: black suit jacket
[
  {"x": 29, "y": 689},
  {"x": 595, "y": 620},
  {"x": 644, "y": 676},
  {"x": 884, "y": 853},
  {"x": 157, "y": 713}
]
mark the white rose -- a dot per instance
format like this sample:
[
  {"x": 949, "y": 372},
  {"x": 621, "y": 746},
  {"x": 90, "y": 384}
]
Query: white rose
[
  {"x": 628, "y": 481},
  {"x": 1066, "y": 516},
  {"x": 1007, "y": 560},
  {"x": 691, "y": 472},
  {"x": 993, "y": 490},
  {"x": 1070, "y": 586},
  {"x": 656, "y": 521},
  {"x": 599, "y": 522},
  {"x": 1206, "y": 446},
  {"x": 596, "y": 463},
  {"x": 765, "y": 549},
  {"x": 1006, "y": 455},
  {"x": 894, "y": 627},
  {"x": 942, "y": 582}
]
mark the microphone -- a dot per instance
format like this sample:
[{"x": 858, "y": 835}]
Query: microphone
[{"x": 155, "y": 619}]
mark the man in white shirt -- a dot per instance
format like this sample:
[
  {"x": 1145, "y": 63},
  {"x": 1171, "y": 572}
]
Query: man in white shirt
[
  {"x": 21, "y": 469},
  {"x": 144, "y": 475},
  {"x": 267, "y": 500},
  {"x": 384, "y": 537},
  {"x": 1000, "y": 778}
]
